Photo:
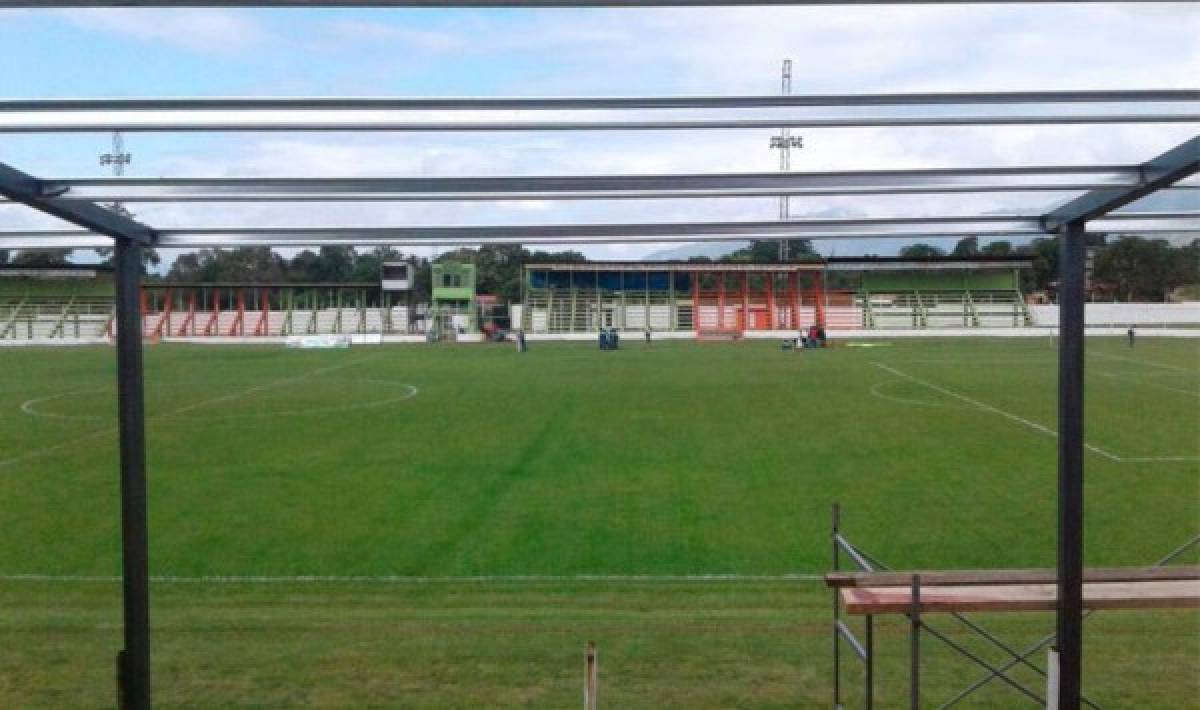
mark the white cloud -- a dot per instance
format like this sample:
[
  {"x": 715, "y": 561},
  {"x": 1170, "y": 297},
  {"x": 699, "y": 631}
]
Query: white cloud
[
  {"x": 698, "y": 51},
  {"x": 212, "y": 31}
]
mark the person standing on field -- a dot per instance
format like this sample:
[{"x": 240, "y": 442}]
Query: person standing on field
[{"x": 1131, "y": 335}]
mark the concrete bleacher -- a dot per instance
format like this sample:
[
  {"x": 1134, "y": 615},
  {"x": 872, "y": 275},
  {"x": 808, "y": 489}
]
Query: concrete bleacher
[
  {"x": 323, "y": 321},
  {"x": 946, "y": 309},
  {"x": 69, "y": 302}
]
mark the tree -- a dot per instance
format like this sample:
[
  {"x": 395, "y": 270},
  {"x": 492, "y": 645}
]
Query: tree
[
  {"x": 1143, "y": 269},
  {"x": 305, "y": 267},
  {"x": 150, "y": 257},
  {"x": 336, "y": 264},
  {"x": 767, "y": 252},
  {"x": 921, "y": 251},
  {"x": 498, "y": 270},
  {"x": 967, "y": 246},
  {"x": 41, "y": 258},
  {"x": 998, "y": 248},
  {"x": 369, "y": 266},
  {"x": 240, "y": 265},
  {"x": 1043, "y": 252}
]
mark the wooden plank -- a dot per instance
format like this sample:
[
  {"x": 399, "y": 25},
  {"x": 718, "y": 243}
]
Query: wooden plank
[
  {"x": 936, "y": 578},
  {"x": 1170, "y": 594}
]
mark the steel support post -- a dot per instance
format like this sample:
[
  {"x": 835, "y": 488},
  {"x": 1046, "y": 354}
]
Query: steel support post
[
  {"x": 1069, "y": 627},
  {"x": 134, "y": 660},
  {"x": 837, "y": 646},
  {"x": 914, "y": 617},
  {"x": 870, "y": 662}
]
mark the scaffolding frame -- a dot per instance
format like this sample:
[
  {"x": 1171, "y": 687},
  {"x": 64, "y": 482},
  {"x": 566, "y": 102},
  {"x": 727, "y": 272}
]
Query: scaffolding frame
[
  {"x": 128, "y": 237},
  {"x": 864, "y": 648}
]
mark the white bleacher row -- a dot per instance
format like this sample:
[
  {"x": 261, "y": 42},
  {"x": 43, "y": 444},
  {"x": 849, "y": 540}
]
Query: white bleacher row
[
  {"x": 324, "y": 321},
  {"x": 900, "y": 311},
  {"x": 41, "y": 327},
  {"x": 30, "y": 319},
  {"x": 947, "y": 309}
]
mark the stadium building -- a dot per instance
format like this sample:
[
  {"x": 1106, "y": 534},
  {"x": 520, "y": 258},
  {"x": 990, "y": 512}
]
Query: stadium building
[{"x": 718, "y": 300}]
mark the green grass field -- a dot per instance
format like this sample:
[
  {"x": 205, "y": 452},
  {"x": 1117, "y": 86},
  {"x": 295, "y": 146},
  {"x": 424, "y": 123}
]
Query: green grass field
[{"x": 436, "y": 464}]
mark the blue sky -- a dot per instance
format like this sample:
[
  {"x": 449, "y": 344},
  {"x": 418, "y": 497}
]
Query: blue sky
[{"x": 589, "y": 52}]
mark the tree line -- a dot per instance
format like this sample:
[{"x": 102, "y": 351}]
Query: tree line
[
  {"x": 1127, "y": 268},
  {"x": 497, "y": 267}
]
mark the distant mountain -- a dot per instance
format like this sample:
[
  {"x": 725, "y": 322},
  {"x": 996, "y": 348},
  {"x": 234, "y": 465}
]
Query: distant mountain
[{"x": 683, "y": 252}]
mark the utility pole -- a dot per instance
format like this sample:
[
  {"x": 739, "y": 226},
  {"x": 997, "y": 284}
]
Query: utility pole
[
  {"x": 784, "y": 142},
  {"x": 118, "y": 159}
]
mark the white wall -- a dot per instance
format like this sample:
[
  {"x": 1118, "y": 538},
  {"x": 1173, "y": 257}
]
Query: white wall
[{"x": 1122, "y": 314}]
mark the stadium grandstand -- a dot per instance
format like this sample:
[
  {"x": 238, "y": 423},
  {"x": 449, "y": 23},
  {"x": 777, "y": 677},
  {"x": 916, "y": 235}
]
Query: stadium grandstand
[
  {"x": 61, "y": 302},
  {"x": 979, "y": 292},
  {"x": 731, "y": 299},
  {"x": 272, "y": 309},
  {"x": 702, "y": 300}
]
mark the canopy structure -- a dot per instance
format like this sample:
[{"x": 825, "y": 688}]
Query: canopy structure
[{"x": 1091, "y": 194}]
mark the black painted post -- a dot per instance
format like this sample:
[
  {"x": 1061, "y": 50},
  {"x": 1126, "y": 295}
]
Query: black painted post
[
  {"x": 1069, "y": 629},
  {"x": 837, "y": 677},
  {"x": 134, "y": 676},
  {"x": 914, "y": 651},
  {"x": 870, "y": 661}
]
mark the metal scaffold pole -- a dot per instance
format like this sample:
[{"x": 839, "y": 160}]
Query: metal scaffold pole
[
  {"x": 1069, "y": 628},
  {"x": 134, "y": 660}
]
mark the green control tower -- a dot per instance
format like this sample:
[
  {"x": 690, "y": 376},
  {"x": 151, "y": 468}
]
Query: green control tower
[{"x": 453, "y": 310}]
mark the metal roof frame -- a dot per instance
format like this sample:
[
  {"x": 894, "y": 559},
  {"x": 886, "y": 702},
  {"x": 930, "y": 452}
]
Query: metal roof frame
[
  {"x": 128, "y": 236},
  {"x": 381, "y": 113},
  {"x": 184, "y": 122},
  {"x": 581, "y": 234},
  {"x": 427, "y": 4},
  {"x": 560, "y": 103},
  {"x": 580, "y": 187}
]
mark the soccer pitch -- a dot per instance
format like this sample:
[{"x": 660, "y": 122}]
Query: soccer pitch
[{"x": 475, "y": 515}]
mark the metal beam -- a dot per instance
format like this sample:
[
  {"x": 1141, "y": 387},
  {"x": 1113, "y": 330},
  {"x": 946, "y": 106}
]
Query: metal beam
[
  {"x": 134, "y": 660},
  {"x": 846, "y": 228},
  {"x": 880, "y": 182},
  {"x": 1069, "y": 618},
  {"x": 503, "y": 3},
  {"x": 566, "y": 103},
  {"x": 96, "y": 123},
  {"x": 1176, "y": 164},
  {"x": 28, "y": 190}
]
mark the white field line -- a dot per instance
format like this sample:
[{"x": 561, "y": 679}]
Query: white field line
[
  {"x": 1146, "y": 383},
  {"x": 267, "y": 385},
  {"x": 1148, "y": 363},
  {"x": 875, "y": 390},
  {"x": 402, "y": 579},
  {"x": 195, "y": 405},
  {"x": 989, "y": 408}
]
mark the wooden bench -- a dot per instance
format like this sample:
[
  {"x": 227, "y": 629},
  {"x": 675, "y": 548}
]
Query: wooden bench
[{"x": 1016, "y": 590}]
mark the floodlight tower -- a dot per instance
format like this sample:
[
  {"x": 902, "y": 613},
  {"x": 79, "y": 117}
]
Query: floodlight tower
[
  {"x": 118, "y": 159},
  {"x": 784, "y": 142}
]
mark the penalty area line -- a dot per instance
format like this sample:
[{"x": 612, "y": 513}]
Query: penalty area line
[{"x": 994, "y": 410}]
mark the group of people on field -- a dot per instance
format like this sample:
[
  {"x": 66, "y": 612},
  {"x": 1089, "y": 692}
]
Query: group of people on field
[{"x": 813, "y": 338}]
